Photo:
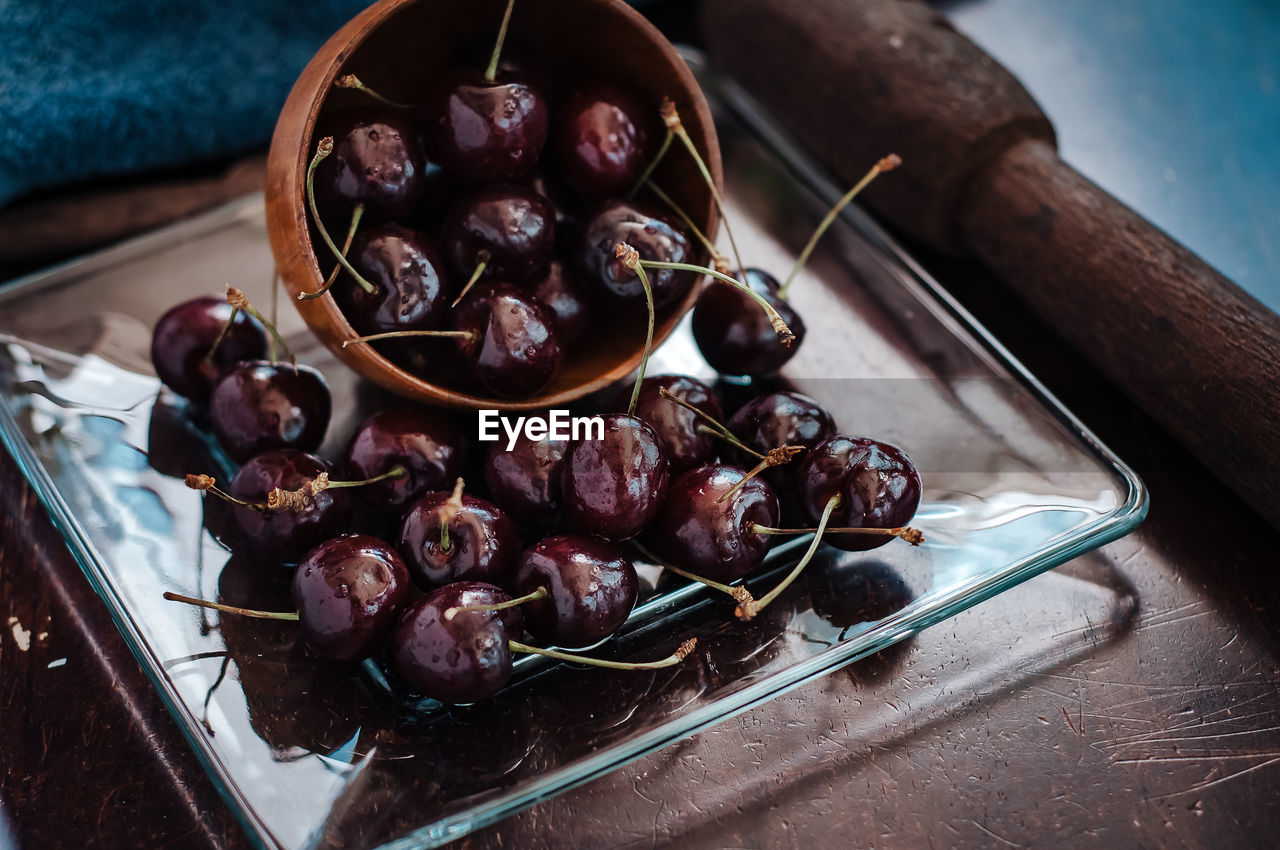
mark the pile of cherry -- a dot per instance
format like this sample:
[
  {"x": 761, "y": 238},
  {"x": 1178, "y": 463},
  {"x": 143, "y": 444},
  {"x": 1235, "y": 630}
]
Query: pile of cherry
[{"x": 449, "y": 603}]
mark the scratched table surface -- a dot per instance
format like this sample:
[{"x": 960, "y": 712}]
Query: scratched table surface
[{"x": 1011, "y": 726}]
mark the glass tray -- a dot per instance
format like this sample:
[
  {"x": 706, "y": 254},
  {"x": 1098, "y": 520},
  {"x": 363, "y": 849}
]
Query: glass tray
[{"x": 311, "y": 756}]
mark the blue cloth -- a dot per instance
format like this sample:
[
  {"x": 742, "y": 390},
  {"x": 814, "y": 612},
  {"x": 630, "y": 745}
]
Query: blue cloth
[{"x": 111, "y": 87}]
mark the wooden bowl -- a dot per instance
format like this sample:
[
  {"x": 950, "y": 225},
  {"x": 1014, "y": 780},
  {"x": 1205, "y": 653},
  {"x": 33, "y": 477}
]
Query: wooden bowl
[{"x": 399, "y": 48}]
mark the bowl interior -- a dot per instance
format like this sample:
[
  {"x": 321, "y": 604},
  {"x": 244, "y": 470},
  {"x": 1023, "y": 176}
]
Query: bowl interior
[{"x": 401, "y": 48}]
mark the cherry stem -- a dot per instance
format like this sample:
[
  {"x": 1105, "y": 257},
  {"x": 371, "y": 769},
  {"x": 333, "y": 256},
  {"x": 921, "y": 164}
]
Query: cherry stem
[
  {"x": 912, "y": 535},
  {"x": 357, "y": 212},
  {"x": 717, "y": 259},
  {"x": 652, "y": 166},
  {"x": 779, "y": 326},
  {"x": 670, "y": 661},
  {"x": 208, "y": 358},
  {"x": 484, "y": 258},
  {"x": 239, "y": 301},
  {"x": 738, "y": 592},
  {"x": 775, "y": 457},
  {"x": 449, "y": 512},
  {"x": 631, "y": 259},
  {"x": 540, "y": 593},
  {"x": 672, "y": 119},
  {"x": 209, "y": 484},
  {"x": 748, "y": 610},
  {"x": 351, "y": 81},
  {"x": 396, "y": 471},
  {"x": 491, "y": 73},
  {"x": 715, "y": 427},
  {"x": 399, "y": 334},
  {"x": 323, "y": 149},
  {"x": 888, "y": 163},
  {"x": 231, "y": 609}
]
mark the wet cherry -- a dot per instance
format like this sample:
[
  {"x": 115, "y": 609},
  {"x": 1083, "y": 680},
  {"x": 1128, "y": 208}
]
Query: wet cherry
[
  {"x": 525, "y": 480},
  {"x": 376, "y": 165},
  {"x": 511, "y": 343},
  {"x": 591, "y": 588},
  {"x": 446, "y": 537},
  {"x": 684, "y": 442},
  {"x": 349, "y": 592},
  {"x": 257, "y": 406},
  {"x": 875, "y": 482},
  {"x": 781, "y": 419},
  {"x": 603, "y": 137},
  {"x": 184, "y": 335},
  {"x": 285, "y": 535},
  {"x": 412, "y": 287},
  {"x": 650, "y": 233},
  {"x": 427, "y": 444},
  {"x": 508, "y": 228},
  {"x": 736, "y": 337},
  {"x": 612, "y": 487},
  {"x": 558, "y": 290}
]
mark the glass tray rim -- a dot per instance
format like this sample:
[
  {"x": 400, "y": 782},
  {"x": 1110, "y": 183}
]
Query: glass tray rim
[{"x": 888, "y": 631}]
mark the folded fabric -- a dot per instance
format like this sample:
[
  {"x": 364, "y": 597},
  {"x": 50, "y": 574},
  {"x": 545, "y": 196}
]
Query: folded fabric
[{"x": 113, "y": 87}]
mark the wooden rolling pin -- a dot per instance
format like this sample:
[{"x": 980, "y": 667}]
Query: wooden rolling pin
[{"x": 856, "y": 79}]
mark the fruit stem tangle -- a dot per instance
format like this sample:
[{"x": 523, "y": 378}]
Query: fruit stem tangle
[
  {"x": 749, "y": 610},
  {"x": 914, "y": 536},
  {"x": 351, "y": 81},
  {"x": 670, "y": 661},
  {"x": 739, "y": 593},
  {"x": 672, "y": 119},
  {"x": 449, "y": 512},
  {"x": 715, "y": 428},
  {"x": 484, "y": 257},
  {"x": 491, "y": 73},
  {"x": 718, "y": 260},
  {"x": 652, "y": 166},
  {"x": 774, "y": 457},
  {"x": 540, "y": 593},
  {"x": 232, "y": 609},
  {"x": 323, "y": 149},
  {"x": 357, "y": 212},
  {"x": 209, "y": 484},
  {"x": 630, "y": 258},
  {"x": 887, "y": 163},
  {"x": 239, "y": 301},
  {"x": 399, "y": 334},
  {"x": 785, "y": 336}
]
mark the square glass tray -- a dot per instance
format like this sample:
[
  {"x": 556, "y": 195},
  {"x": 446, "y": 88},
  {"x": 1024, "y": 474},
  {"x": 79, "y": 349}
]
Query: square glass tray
[{"x": 311, "y": 756}]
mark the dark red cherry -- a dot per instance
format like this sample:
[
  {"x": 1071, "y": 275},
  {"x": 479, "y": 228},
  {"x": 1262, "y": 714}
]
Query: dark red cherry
[
  {"x": 182, "y": 338},
  {"x": 513, "y": 349},
  {"x": 612, "y": 487},
  {"x": 350, "y": 593},
  {"x": 781, "y": 419},
  {"x": 683, "y": 444},
  {"x": 714, "y": 539},
  {"x": 566, "y": 206},
  {"x": 646, "y": 230},
  {"x": 604, "y": 136},
  {"x": 376, "y": 161},
  {"x": 413, "y": 287},
  {"x": 487, "y": 132},
  {"x": 483, "y": 543},
  {"x": 513, "y": 225},
  {"x": 591, "y": 588},
  {"x": 258, "y": 406},
  {"x": 525, "y": 480},
  {"x": 284, "y": 535},
  {"x": 734, "y": 334},
  {"x": 876, "y": 482},
  {"x": 558, "y": 290},
  {"x": 465, "y": 658},
  {"x": 427, "y": 444}
]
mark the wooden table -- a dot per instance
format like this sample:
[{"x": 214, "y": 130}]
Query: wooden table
[{"x": 1165, "y": 734}]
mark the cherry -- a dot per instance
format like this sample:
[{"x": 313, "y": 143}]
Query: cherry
[
  {"x": 685, "y": 439},
  {"x": 411, "y": 287},
  {"x": 566, "y": 206},
  {"x": 282, "y": 534},
  {"x": 612, "y": 487},
  {"x": 463, "y": 658},
  {"x": 182, "y": 343},
  {"x": 507, "y": 229},
  {"x": 874, "y": 483},
  {"x": 602, "y": 271},
  {"x": 603, "y": 137},
  {"x": 428, "y": 445},
  {"x": 706, "y": 523},
  {"x": 735, "y": 336},
  {"x": 781, "y": 419},
  {"x": 350, "y": 592},
  {"x": 590, "y": 588},
  {"x": 257, "y": 406},
  {"x": 511, "y": 341},
  {"x": 447, "y": 537},
  {"x": 558, "y": 290},
  {"x": 525, "y": 480},
  {"x": 377, "y": 166}
]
